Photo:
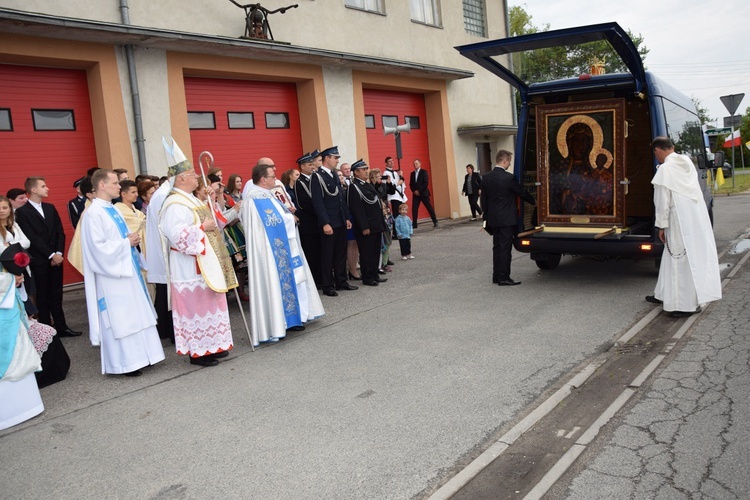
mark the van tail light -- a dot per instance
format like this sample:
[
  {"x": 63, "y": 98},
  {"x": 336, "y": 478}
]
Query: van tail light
[
  {"x": 525, "y": 243},
  {"x": 646, "y": 247}
]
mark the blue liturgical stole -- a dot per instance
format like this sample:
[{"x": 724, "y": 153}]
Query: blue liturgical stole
[
  {"x": 123, "y": 228},
  {"x": 282, "y": 254}
]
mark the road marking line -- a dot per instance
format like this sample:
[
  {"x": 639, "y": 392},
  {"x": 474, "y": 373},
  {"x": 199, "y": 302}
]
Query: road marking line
[
  {"x": 561, "y": 433},
  {"x": 686, "y": 326},
  {"x": 605, "y": 417},
  {"x": 646, "y": 372},
  {"x": 639, "y": 326},
  {"x": 557, "y": 470},
  {"x": 736, "y": 269},
  {"x": 482, "y": 461},
  {"x": 571, "y": 433}
]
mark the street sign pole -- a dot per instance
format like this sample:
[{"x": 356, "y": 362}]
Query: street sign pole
[{"x": 732, "y": 102}]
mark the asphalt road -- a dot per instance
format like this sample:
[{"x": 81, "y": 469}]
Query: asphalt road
[{"x": 386, "y": 396}]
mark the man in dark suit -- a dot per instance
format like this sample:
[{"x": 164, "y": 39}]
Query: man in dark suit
[
  {"x": 367, "y": 212},
  {"x": 333, "y": 221},
  {"x": 309, "y": 232},
  {"x": 77, "y": 204},
  {"x": 42, "y": 225},
  {"x": 499, "y": 191},
  {"x": 472, "y": 187},
  {"x": 419, "y": 185}
]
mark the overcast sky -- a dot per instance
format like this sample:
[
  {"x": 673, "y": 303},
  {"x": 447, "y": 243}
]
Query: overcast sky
[{"x": 699, "y": 47}]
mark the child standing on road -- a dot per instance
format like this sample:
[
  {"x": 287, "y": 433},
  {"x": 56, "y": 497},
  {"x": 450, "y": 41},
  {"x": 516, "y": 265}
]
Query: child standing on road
[{"x": 404, "y": 230}]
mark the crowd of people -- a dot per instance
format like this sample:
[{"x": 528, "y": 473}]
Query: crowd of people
[{"x": 175, "y": 247}]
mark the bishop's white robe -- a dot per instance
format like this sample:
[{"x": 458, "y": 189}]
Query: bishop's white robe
[
  {"x": 19, "y": 393},
  {"x": 199, "y": 312},
  {"x": 282, "y": 293},
  {"x": 121, "y": 317},
  {"x": 689, "y": 273}
]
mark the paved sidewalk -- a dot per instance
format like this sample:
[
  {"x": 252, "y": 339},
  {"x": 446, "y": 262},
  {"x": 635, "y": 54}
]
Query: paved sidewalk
[{"x": 689, "y": 435}]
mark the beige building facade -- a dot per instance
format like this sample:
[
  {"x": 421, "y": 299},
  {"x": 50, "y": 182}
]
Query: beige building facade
[{"x": 340, "y": 57}]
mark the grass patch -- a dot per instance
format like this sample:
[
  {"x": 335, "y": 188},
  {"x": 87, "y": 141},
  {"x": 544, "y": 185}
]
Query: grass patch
[{"x": 741, "y": 184}]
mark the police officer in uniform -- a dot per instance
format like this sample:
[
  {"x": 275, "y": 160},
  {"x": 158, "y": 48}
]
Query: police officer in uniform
[
  {"x": 309, "y": 232},
  {"x": 333, "y": 220},
  {"x": 367, "y": 213}
]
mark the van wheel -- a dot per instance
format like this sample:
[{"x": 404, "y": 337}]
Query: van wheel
[{"x": 551, "y": 262}]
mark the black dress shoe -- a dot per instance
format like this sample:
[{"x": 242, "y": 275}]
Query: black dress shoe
[
  {"x": 683, "y": 314},
  {"x": 389, "y": 263},
  {"x": 494, "y": 281},
  {"x": 653, "y": 300},
  {"x": 436, "y": 226},
  {"x": 204, "y": 361},
  {"x": 381, "y": 280},
  {"x": 297, "y": 328},
  {"x": 134, "y": 373},
  {"x": 218, "y": 355},
  {"x": 370, "y": 283},
  {"x": 381, "y": 271},
  {"x": 508, "y": 282},
  {"x": 346, "y": 286},
  {"x": 352, "y": 277},
  {"x": 330, "y": 292},
  {"x": 68, "y": 333}
]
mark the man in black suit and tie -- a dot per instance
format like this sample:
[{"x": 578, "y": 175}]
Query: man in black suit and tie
[
  {"x": 498, "y": 199},
  {"x": 418, "y": 183},
  {"x": 42, "y": 225},
  {"x": 333, "y": 221},
  {"x": 309, "y": 232}
]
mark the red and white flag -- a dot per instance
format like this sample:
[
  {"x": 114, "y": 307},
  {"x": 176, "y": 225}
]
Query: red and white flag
[{"x": 733, "y": 140}]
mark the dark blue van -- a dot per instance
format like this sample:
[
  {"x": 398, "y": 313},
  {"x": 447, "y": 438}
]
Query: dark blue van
[{"x": 583, "y": 147}]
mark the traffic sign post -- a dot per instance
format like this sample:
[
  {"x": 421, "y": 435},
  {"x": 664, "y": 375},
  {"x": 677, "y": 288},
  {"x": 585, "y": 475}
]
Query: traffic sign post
[{"x": 732, "y": 102}]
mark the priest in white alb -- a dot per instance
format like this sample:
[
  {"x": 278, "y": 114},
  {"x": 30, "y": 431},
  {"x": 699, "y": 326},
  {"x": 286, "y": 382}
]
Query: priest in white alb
[
  {"x": 200, "y": 269},
  {"x": 283, "y": 294},
  {"x": 121, "y": 318},
  {"x": 689, "y": 273}
]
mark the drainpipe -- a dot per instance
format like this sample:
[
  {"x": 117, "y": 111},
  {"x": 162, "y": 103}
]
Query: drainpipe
[{"x": 135, "y": 96}]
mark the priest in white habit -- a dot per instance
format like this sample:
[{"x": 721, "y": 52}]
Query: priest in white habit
[
  {"x": 283, "y": 294},
  {"x": 121, "y": 318},
  {"x": 689, "y": 274},
  {"x": 200, "y": 269}
]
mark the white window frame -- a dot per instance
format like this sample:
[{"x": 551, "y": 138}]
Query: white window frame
[
  {"x": 375, "y": 6},
  {"x": 425, "y": 12}
]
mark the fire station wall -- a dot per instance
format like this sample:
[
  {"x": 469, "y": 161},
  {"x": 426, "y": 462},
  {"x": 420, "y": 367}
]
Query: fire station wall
[
  {"x": 445, "y": 192},
  {"x": 100, "y": 62},
  {"x": 311, "y": 94}
]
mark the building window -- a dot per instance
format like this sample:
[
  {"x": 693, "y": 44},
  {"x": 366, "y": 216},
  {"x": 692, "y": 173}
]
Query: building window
[
  {"x": 425, "y": 11},
  {"x": 53, "y": 119},
  {"x": 474, "y": 17},
  {"x": 367, "y": 5},
  {"x": 6, "y": 124},
  {"x": 201, "y": 120},
  {"x": 369, "y": 121},
  {"x": 277, "y": 120},
  {"x": 413, "y": 122},
  {"x": 390, "y": 121},
  {"x": 240, "y": 120}
]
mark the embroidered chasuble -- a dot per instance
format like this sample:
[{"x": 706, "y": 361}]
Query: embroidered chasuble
[{"x": 200, "y": 274}]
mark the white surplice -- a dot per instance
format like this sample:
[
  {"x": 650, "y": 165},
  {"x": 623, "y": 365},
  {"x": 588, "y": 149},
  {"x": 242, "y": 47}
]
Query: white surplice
[
  {"x": 19, "y": 394},
  {"x": 689, "y": 274},
  {"x": 157, "y": 261},
  {"x": 267, "y": 308},
  {"x": 200, "y": 314},
  {"x": 121, "y": 317}
]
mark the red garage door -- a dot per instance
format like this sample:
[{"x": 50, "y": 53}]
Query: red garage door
[
  {"x": 387, "y": 107},
  {"x": 45, "y": 130},
  {"x": 239, "y": 121}
]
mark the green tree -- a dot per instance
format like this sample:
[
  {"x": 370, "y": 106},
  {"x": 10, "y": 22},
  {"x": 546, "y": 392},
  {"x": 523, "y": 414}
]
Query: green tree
[{"x": 702, "y": 111}]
